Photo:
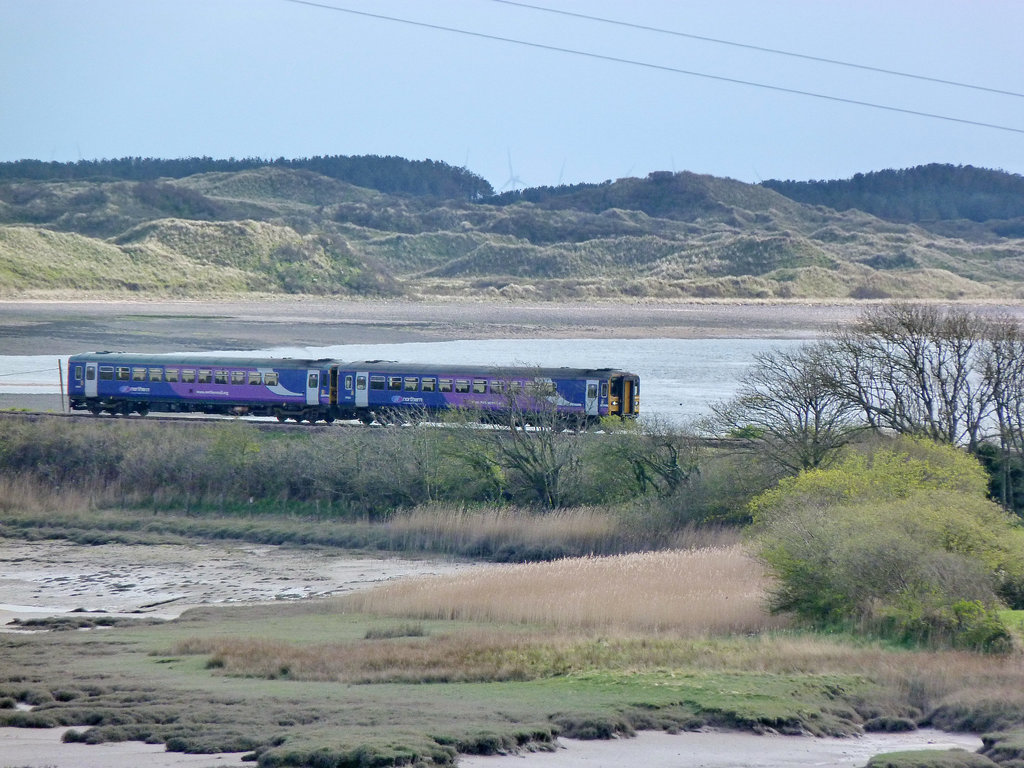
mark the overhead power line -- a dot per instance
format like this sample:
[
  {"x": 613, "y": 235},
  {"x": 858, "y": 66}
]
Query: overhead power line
[
  {"x": 762, "y": 49},
  {"x": 659, "y": 67}
]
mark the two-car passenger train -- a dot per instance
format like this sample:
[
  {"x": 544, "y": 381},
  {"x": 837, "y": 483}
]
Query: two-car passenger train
[{"x": 326, "y": 390}]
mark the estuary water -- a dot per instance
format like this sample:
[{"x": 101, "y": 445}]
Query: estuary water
[{"x": 679, "y": 377}]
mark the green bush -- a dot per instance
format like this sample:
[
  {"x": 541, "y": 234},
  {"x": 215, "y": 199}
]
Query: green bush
[{"x": 899, "y": 541}]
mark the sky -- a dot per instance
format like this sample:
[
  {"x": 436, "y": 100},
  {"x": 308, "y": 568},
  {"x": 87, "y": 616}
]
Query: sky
[{"x": 522, "y": 96}]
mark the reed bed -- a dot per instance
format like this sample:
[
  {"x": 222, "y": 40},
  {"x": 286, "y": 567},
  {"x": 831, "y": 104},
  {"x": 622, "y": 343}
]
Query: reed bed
[
  {"x": 455, "y": 529},
  {"x": 688, "y": 592},
  {"x": 516, "y": 533}
]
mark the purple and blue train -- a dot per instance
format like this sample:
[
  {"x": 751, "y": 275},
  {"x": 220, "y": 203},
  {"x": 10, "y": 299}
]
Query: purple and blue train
[{"x": 328, "y": 390}]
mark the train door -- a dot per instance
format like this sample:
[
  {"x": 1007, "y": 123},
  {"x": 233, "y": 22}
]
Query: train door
[
  {"x": 362, "y": 389},
  {"x": 630, "y": 396},
  {"x": 312, "y": 387},
  {"x": 591, "y": 400},
  {"x": 624, "y": 398},
  {"x": 91, "y": 388},
  {"x": 333, "y": 394}
]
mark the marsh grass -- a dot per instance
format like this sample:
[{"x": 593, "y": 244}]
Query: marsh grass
[
  {"x": 516, "y": 534},
  {"x": 278, "y": 679},
  {"x": 688, "y": 592},
  {"x": 527, "y": 621}
]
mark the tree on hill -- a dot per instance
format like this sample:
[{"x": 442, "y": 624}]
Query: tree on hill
[
  {"x": 925, "y": 193},
  {"x": 394, "y": 175}
]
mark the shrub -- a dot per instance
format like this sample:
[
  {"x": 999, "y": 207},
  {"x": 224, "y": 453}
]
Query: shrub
[{"x": 900, "y": 541}]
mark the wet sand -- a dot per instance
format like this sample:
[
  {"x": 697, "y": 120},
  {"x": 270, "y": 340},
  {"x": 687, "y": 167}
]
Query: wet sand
[
  {"x": 33, "y": 327},
  {"x": 724, "y": 749},
  {"x": 53, "y": 578}
]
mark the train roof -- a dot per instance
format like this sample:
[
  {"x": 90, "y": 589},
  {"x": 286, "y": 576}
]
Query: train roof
[
  {"x": 199, "y": 360},
  {"x": 491, "y": 371},
  {"x": 371, "y": 366}
]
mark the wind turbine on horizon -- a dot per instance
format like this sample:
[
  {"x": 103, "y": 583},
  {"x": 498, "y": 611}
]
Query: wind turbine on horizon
[{"x": 513, "y": 181}]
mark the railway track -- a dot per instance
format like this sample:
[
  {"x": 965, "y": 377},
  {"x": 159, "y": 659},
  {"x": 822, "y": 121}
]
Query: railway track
[{"x": 261, "y": 423}]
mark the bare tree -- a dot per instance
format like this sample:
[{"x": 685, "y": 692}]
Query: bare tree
[
  {"x": 785, "y": 411},
  {"x": 915, "y": 369},
  {"x": 528, "y": 442}
]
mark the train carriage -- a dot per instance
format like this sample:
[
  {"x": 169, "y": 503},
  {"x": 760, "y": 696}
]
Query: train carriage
[
  {"x": 377, "y": 387},
  {"x": 135, "y": 383},
  {"x": 325, "y": 389}
]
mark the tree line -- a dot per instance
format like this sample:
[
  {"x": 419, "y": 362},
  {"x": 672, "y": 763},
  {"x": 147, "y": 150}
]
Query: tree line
[
  {"x": 921, "y": 194},
  {"x": 393, "y": 175}
]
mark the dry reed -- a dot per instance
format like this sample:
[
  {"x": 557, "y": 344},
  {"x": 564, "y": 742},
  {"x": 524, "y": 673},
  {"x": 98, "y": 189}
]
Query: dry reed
[{"x": 687, "y": 592}]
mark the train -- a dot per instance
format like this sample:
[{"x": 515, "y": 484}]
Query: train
[{"x": 314, "y": 390}]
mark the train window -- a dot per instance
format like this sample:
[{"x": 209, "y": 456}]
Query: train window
[
  {"x": 376, "y": 382},
  {"x": 591, "y": 391},
  {"x": 411, "y": 384},
  {"x": 156, "y": 374},
  {"x": 462, "y": 385},
  {"x": 78, "y": 373},
  {"x": 238, "y": 377},
  {"x": 348, "y": 382},
  {"x": 428, "y": 385},
  {"x": 480, "y": 386},
  {"x": 314, "y": 381},
  {"x": 394, "y": 382},
  {"x": 255, "y": 377},
  {"x": 604, "y": 389},
  {"x": 123, "y": 374},
  {"x": 220, "y": 377},
  {"x": 90, "y": 373},
  {"x": 188, "y": 375},
  {"x": 444, "y": 385},
  {"x": 106, "y": 373},
  {"x": 497, "y": 386},
  {"x": 270, "y": 378},
  {"x": 204, "y": 376},
  {"x": 138, "y": 374},
  {"x": 172, "y": 375},
  {"x": 360, "y": 383}
]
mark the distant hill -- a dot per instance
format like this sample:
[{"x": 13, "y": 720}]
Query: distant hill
[{"x": 392, "y": 227}]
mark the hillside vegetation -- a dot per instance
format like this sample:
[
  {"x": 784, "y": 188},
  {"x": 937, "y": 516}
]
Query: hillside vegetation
[{"x": 391, "y": 227}]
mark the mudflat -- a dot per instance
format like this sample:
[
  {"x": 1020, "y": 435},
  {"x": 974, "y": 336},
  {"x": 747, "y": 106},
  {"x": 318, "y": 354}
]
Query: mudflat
[{"x": 68, "y": 327}]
